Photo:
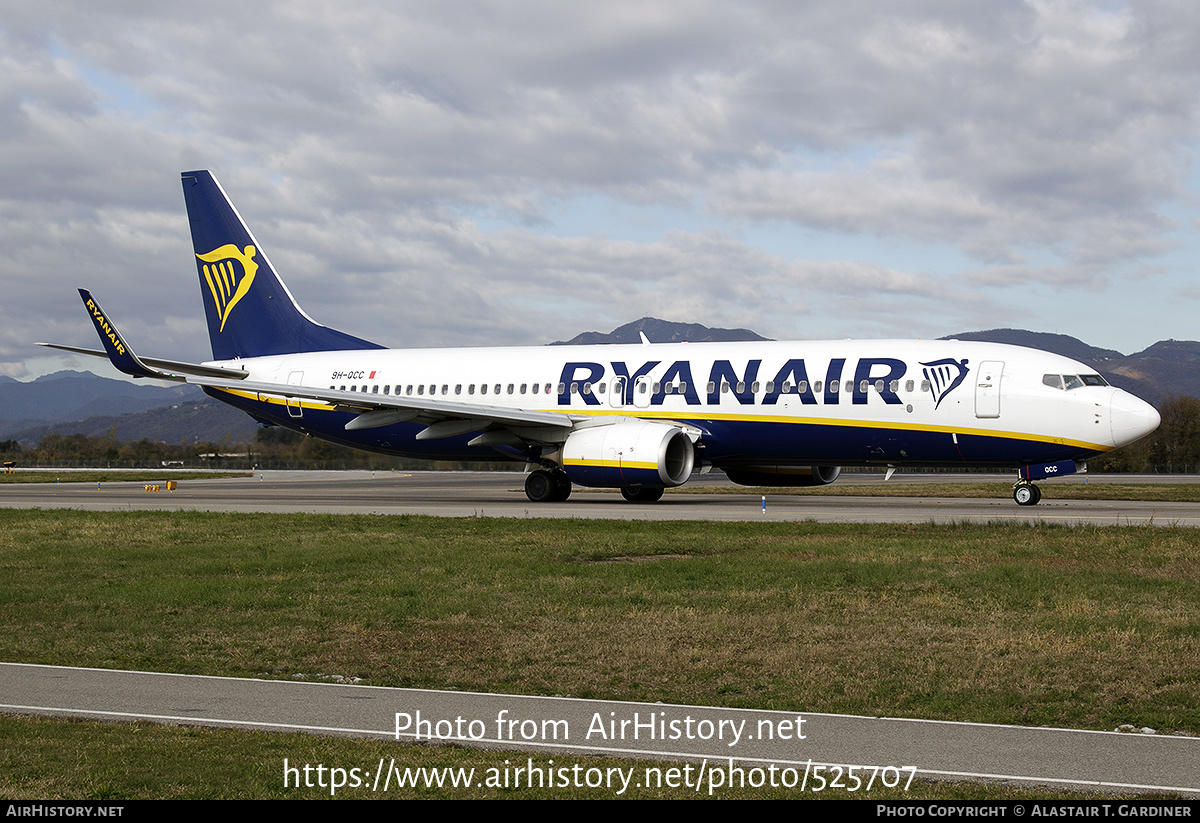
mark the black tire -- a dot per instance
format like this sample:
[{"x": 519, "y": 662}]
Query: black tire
[
  {"x": 1027, "y": 494},
  {"x": 539, "y": 486},
  {"x": 640, "y": 494},
  {"x": 562, "y": 487}
]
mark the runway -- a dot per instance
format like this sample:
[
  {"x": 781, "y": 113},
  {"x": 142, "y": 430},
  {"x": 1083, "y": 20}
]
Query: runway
[
  {"x": 499, "y": 494},
  {"x": 894, "y": 748}
]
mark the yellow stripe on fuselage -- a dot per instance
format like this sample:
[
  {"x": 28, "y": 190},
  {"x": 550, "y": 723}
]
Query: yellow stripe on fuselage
[{"x": 747, "y": 418}]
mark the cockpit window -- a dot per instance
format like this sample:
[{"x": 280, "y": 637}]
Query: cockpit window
[{"x": 1066, "y": 382}]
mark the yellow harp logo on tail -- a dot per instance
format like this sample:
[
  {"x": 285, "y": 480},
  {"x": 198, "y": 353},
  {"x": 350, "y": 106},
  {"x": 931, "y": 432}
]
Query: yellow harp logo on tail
[{"x": 229, "y": 276}]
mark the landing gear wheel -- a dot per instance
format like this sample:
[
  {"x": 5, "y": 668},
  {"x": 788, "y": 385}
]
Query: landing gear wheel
[
  {"x": 640, "y": 494},
  {"x": 562, "y": 487},
  {"x": 539, "y": 486},
  {"x": 1027, "y": 494}
]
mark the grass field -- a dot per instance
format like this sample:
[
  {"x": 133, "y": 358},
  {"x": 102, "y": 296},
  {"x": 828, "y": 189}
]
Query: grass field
[{"x": 1076, "y": 627}]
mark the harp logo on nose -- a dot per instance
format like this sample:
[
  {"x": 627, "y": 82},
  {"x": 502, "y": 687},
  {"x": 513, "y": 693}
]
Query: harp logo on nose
[
  {"x": 229, "y": 273},
  {"x": 944, "y": 376}
]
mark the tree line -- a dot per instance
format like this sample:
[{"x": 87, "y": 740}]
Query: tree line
[{"x": 273, "y": 448}]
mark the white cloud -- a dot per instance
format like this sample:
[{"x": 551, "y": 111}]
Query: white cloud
[{"x": 405, "y": 163}]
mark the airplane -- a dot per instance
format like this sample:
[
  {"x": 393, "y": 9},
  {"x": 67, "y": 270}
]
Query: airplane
[{"x": 640, "y": 418}]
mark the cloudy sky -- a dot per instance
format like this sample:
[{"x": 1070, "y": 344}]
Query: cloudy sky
[{"x": 496, "y": 173}]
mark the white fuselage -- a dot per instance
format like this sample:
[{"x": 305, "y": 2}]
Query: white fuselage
[{"x": 845, "y": 402}]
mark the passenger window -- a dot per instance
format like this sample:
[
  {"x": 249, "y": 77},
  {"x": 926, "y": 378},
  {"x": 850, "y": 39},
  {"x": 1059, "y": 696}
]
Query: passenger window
[
  {"x": 421, "y": 389},
  {"x": 471, "y": 389},
  {"x": 924, "y": 385},
  {"x": 908, "y": 385},
  {"x": 375, "y": 390},
  {"x": 458, "y": 389},
  {"x": 587, "y": 388},
  {"x": 834, "y": 387},
  {"x": 354, "y": 388},
  {"x": 523, "y": 387},
  {"x": 817, "y": 387},
  {"x": 894, "y": 386},
  {"x": 754, "y": 387},
  {"x": 862, "y": 386},
  {"x": 535, "y": 387},
  {"x": 408, "y": 389},
  {"x": 711, "y": 387},
  {"x": 802, "y": 387},
  {"x": 850, "y": 386},
  {"x": 497, "y": 391},
  {"x": 510, "y": 388}
]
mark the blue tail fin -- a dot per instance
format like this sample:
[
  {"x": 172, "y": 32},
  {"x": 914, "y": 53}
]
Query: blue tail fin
[{"x": 250, "y": 311}]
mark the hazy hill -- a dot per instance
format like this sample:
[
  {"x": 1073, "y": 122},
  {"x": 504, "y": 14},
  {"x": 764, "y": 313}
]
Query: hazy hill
[
  {"x": 203, "y": 420},
  {"x": 1169, "y": 367},
  {"x": 75, "y": 395},
  {"x": 1057, "y": 343},
  {"x": 661, "y": 331}
]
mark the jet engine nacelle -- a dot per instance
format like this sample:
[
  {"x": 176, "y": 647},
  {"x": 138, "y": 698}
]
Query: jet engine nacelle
[
  {"x": 784, "y": 475},
  {"x": 630, "y": 453}
]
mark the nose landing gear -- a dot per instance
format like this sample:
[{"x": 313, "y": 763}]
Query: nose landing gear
[{"x": 1026, "y": 494}]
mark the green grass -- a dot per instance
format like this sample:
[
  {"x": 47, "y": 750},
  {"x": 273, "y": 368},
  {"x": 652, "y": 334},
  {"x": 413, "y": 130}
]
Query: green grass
[
  {"x": 1005, "y": 624},
  {"x": 1078, "y": 627}
]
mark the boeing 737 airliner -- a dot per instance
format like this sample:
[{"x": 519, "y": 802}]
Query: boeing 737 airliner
[{"x": 640, "y": 418}]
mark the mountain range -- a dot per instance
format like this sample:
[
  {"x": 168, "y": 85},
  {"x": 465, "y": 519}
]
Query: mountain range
[{"x": 73, "y": 402}]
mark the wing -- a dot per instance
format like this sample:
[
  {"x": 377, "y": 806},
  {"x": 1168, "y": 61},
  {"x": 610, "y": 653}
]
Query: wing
[{"x": 443, "y": 418}]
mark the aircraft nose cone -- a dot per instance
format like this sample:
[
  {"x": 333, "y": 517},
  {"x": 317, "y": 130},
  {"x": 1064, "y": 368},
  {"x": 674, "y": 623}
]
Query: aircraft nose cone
[{"x": 1131, "y": 418}]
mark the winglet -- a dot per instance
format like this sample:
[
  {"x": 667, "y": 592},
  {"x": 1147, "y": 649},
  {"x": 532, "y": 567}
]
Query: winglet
[{"x": 115, "y": 347}]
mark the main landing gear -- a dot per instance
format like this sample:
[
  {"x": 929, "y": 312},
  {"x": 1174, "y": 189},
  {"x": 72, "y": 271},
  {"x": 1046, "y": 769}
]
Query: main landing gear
[
  {"x": 1026, "y": 494},
  {"x": 543, "y": 486}
]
